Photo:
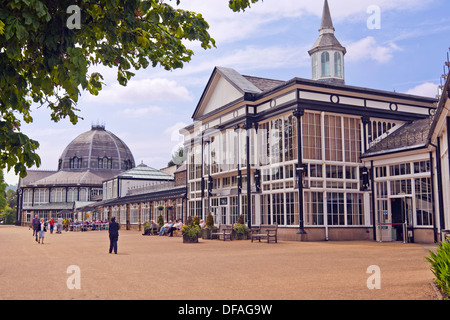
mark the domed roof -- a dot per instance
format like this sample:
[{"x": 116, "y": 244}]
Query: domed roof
[{"x": 96, "y": 149}]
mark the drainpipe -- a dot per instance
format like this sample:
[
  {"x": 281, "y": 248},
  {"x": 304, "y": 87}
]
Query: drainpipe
[
  {"x": 372, "y": 177},
  {"x": 432, "y": 197}
]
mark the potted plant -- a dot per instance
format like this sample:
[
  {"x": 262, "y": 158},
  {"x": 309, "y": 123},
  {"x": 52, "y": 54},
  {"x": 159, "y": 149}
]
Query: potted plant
[
  {"x": 209, "y": 228},
  {"x": 190, "y": 231},
  {"x": 160, "y": 220},
  {"x": 240, "y": 229}
]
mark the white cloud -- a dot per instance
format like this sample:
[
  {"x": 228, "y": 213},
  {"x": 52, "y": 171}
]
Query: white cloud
[
  {"x": 145, "y": 90},
  {"x": 427, "y": 89},
  {"x": 228, "y": 26},
  {"x": 368, "y": 49},
  {"x": 137, "y": 113}
]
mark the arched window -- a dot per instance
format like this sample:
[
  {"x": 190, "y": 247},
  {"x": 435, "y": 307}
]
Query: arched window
[
  {"x": 337, "y": 65},
  {"x": 315, "y": 67},
  {"x": 325, "y": 62},
  {"x": 75, "y": 163}
]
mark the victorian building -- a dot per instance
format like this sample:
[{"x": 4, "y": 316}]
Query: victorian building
[
  {"x": 321, "y": 159},
  {"x": 87, "y": 161}
]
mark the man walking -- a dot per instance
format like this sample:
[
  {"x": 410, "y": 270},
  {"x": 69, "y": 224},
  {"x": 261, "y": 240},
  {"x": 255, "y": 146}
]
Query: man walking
[
  {"x": 113, "y": 235},
  {"x": 36, "y": 226}
]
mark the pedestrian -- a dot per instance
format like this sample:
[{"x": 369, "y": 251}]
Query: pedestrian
[
  {"x": 36, "y": 225},
  {"x": 51, "y": 223},
  {"x": 113, "y": 235},
  {"x": 42, "y": 231},
  {"x": 59, "y": 224}
]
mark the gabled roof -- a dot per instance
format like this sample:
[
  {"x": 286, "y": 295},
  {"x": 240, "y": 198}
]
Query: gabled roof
[
  {"x": 410, "y": 136},
  {"x": 240, "y": 87}
]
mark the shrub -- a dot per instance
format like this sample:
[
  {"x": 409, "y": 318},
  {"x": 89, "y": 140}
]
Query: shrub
[
  {"x": 191, "y": 229},
  {"x": 440, "y": 266},
  {"x": 160, "y": 220},
  {"x": 240, "y": 228},
  {"x": 209, "y": 221},
  {"x": 197, "y": 220}
]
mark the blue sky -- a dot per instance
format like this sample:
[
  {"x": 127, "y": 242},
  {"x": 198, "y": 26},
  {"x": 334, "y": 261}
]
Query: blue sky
[{"x": 271, "y": 40}]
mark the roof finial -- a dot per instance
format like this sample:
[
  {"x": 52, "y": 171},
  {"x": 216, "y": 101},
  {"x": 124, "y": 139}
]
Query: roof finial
[{"x": 327, "y": 22}]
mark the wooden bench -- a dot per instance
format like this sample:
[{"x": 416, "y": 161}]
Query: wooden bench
[
  {"x": 265, "y": 231},
  {"x": 225, "y": 230}
]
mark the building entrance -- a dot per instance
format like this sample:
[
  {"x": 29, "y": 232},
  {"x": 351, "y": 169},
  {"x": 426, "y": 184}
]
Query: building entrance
[{"x": 401, "y": 219}]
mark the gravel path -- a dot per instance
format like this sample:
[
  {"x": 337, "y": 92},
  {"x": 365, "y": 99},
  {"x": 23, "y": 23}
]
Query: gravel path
[{"x": 163, "y": 268}]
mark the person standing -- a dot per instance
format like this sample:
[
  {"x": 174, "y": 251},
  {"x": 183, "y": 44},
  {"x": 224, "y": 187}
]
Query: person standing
[
  {"x": 36, "y": 225},
  {"x": 113, "y": 235},
  {"x": 42, "y": 230},
  {"x": 51, "y": 223},
  {"x": 59, "y": 224}
]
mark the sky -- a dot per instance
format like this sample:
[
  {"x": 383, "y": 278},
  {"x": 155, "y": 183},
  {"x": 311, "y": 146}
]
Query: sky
[{"x": 401, "y": 49}]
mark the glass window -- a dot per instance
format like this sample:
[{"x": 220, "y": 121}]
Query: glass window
[
  {"x": 337, "y": 65},
  {"x": 355, "y": 209},
  {"x": 335, "y": 208},
  {"x": 422, "y": 166},
  {"x": 314, "y": 208},
  {"x": 333, "y": 138},
  {"x": 312, "y": 136},
  {"x": 424, "y": 204},
  {"x": 352, "y": 136},
  {"x": 325, "y": 63},
  {"x": 315, "y": 67}
]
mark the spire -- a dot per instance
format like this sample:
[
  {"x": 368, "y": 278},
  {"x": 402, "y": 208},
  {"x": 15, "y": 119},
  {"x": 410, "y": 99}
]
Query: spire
[
  {"x": 327, "y": 23},
  {"x": 327, "y": 53}
]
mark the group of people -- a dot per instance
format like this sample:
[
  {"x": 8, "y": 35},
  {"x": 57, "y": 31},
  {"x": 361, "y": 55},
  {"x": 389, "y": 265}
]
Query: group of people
[
  {"x": 40, "y": 227},
  {"x": 169, "y": 227}
]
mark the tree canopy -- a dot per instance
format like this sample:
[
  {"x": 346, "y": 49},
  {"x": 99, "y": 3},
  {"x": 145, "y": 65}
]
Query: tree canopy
[{"x": 47, "y": 47}]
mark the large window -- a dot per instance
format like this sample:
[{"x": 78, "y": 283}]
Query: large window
[
  {"x": 134, "y": 214},
  {"x": 312, "y": 137},
  {"x": 333, "y": 138},
  {"x": 314, "y": 210},
  {"x": 424, "y": 202},
  {"x": 335, "y": 208},
  {"x": 355, "y": 209},
  {"x": 352, "y": 139}
]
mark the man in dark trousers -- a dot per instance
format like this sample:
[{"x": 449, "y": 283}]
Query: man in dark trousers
[
  {"x": 36, "y": 226},
  {"x": 113, "y": 235}
]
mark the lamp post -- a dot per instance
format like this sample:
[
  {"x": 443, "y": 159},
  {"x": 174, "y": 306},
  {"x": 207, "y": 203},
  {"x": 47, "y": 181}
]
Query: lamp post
[{"x": 298, "y": 114}]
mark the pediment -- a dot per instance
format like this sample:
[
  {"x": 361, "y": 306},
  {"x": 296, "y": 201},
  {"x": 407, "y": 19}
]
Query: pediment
[{"x": 224, "y": 87}]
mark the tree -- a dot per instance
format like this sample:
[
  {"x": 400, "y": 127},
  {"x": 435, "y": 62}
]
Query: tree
[
  {"x": 47, "y": 47},
  {"x": 178, "y": 157},
  {"x": 11, "y": 198},
  {"x": 3, "y": 185}
]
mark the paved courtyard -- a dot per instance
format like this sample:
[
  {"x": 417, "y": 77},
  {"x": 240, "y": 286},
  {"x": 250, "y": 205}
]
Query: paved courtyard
[{"x": 152, "y": 267}]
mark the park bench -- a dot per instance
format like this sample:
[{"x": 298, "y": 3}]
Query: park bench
[
  {"x": 264, "y": 231},
  {"x": 224, "y": 230}
]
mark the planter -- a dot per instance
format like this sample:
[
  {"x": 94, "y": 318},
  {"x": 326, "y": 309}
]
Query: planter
[
  {"x": 240, "y": 236},
  {"x": 190, "y": 239}
]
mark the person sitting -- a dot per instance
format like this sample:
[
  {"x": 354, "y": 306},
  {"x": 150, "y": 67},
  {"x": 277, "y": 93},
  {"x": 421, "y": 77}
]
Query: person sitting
[
  {"x": 165, "y": 228},
  {"x": 153, "y": 227},
  {"x": 176, "y": 226}
]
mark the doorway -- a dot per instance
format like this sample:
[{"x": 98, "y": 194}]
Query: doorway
[{"x": 401, "y": 219}]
